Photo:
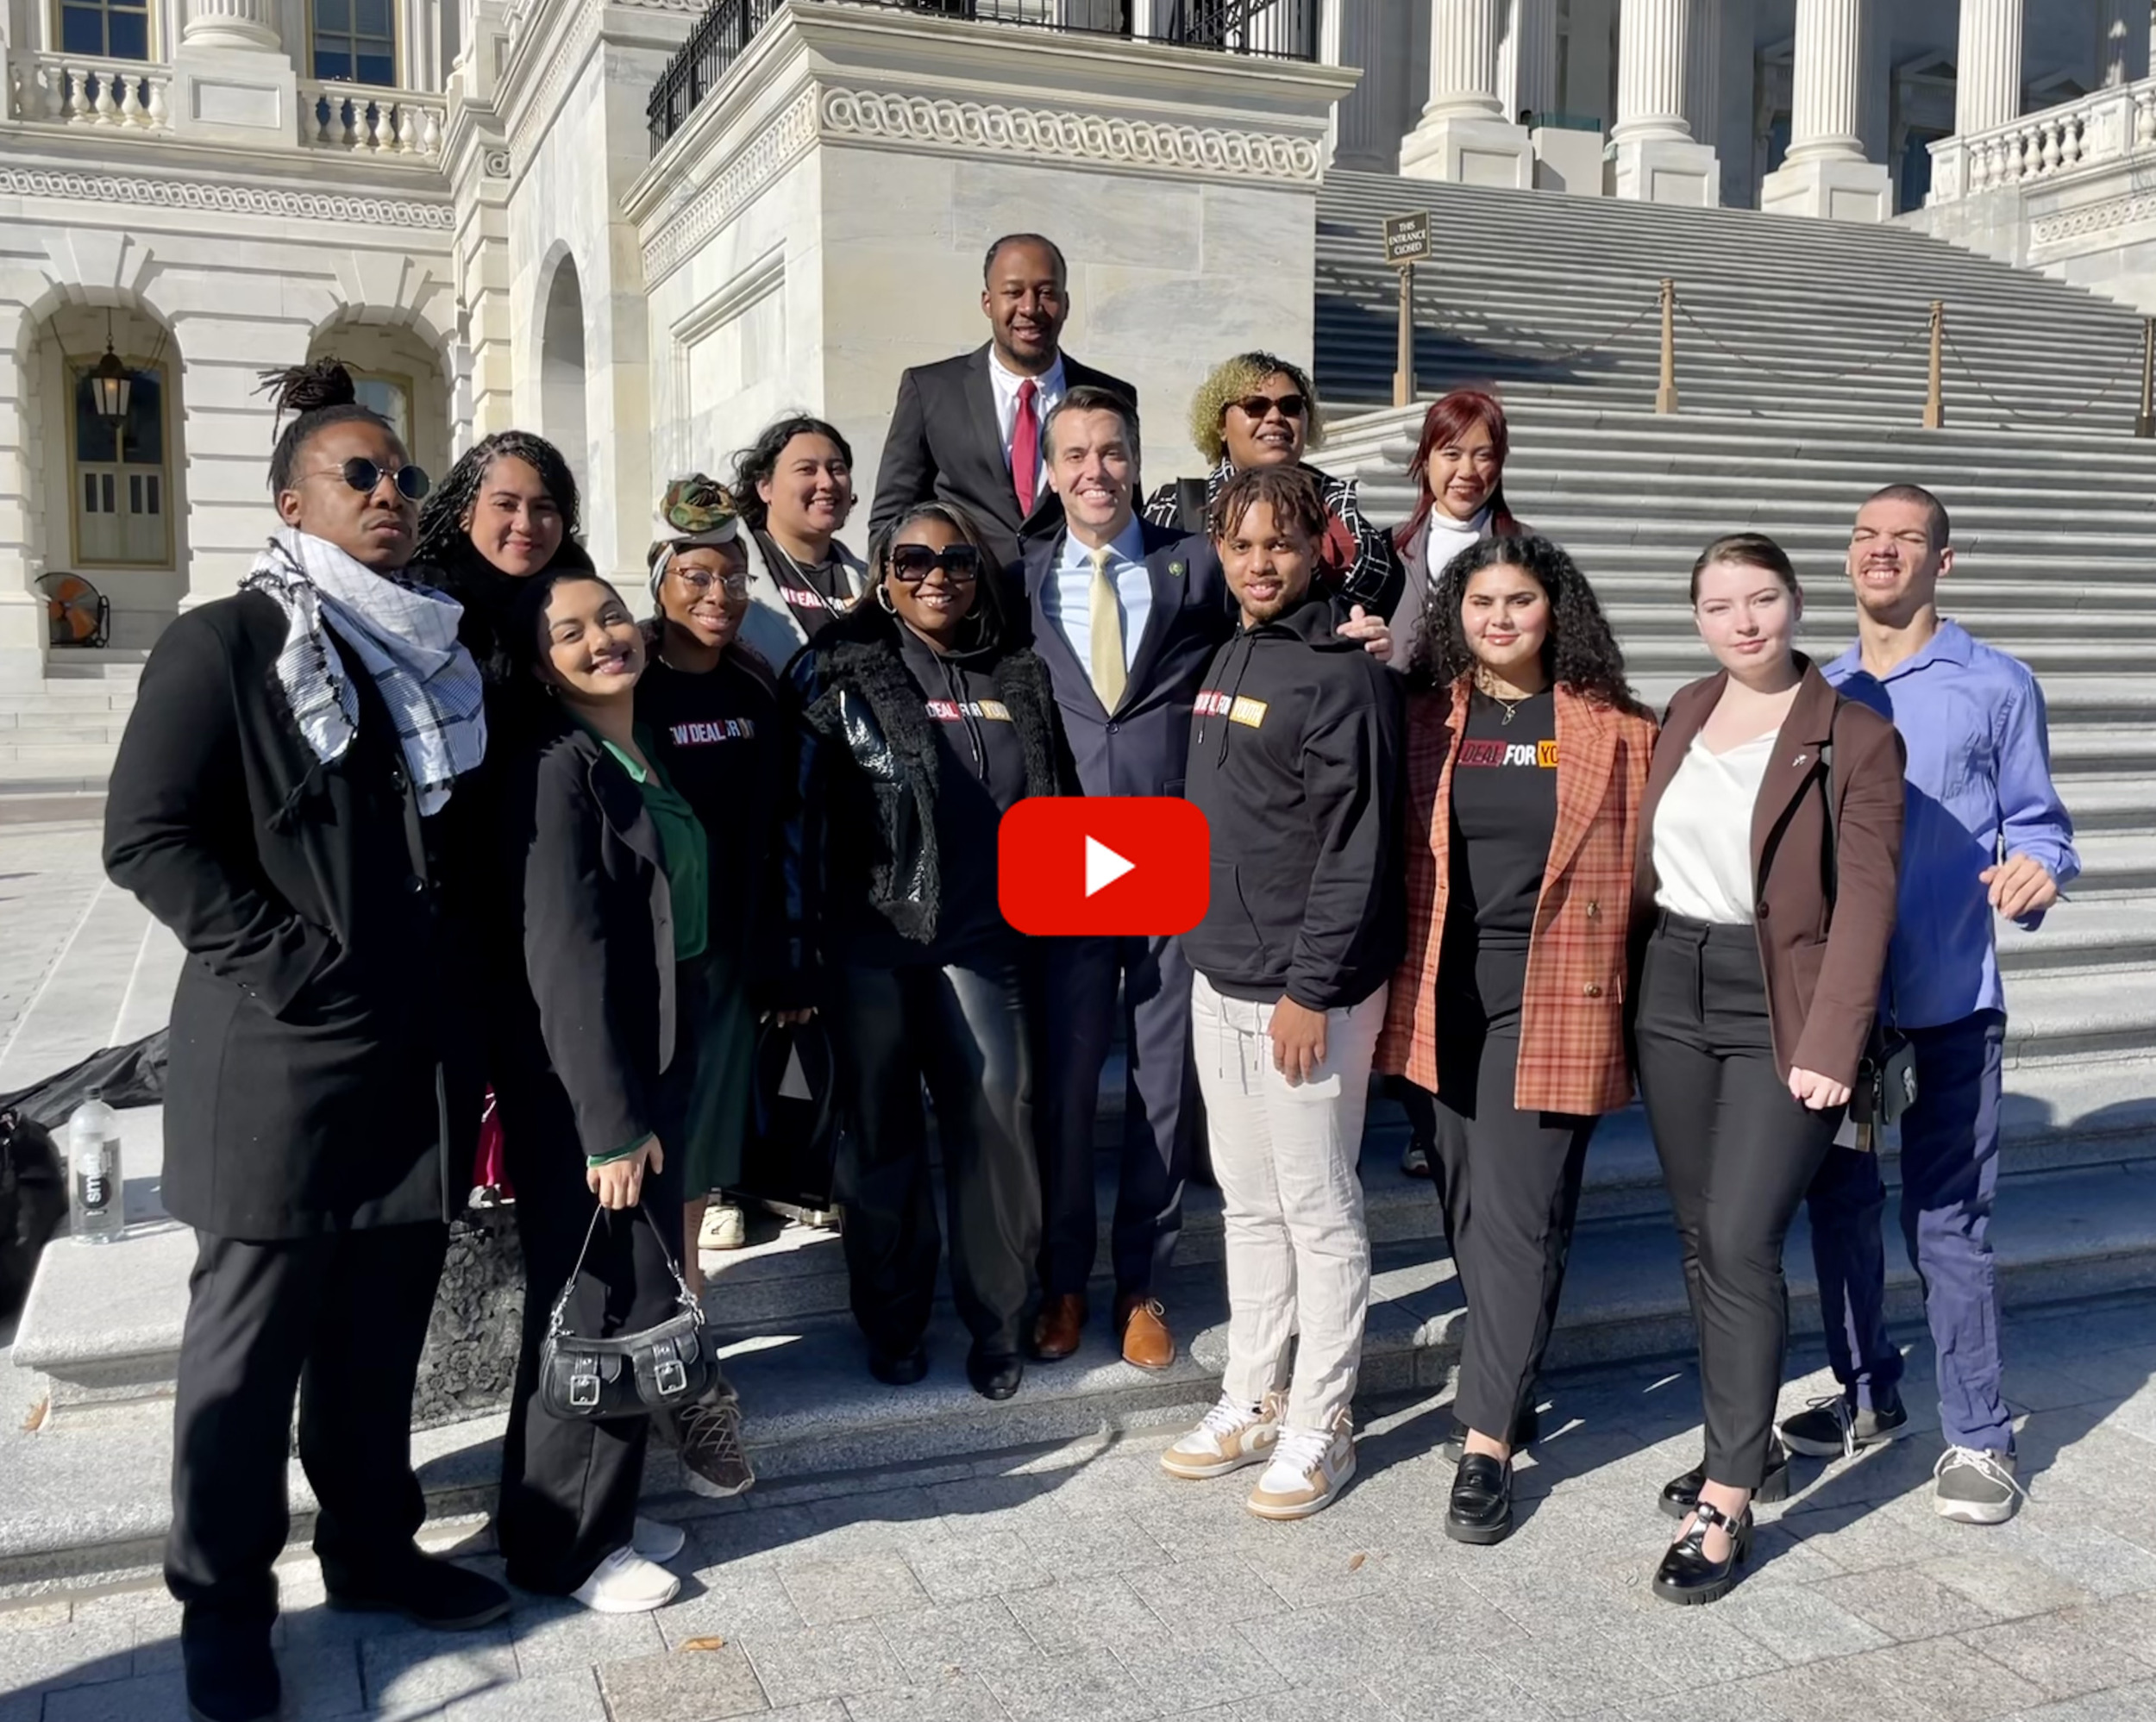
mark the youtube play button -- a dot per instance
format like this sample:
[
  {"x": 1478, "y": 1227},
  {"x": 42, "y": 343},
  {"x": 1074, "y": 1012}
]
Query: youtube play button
[{"x": 1104, "y": 865}]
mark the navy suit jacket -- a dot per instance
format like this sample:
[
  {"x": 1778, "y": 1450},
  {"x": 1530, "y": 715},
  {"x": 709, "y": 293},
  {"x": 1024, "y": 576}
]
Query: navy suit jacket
[{"x": 1139, "y": 747}]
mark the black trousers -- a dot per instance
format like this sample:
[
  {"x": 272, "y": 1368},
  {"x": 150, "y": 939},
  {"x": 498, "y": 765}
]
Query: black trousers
[
  {"x": 1161, "y": 1109},
  {"x": 569, "y": 1485},
  {"x": 340, "y": 1319},
  {"x": 1509, "y": 1183},
  {"x": 961, "y": 1029},
  {"x": 1737, "y": 1152}
]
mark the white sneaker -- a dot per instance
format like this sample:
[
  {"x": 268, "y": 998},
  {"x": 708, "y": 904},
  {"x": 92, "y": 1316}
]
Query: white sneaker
[
  {"x": 658, "y": 1541},
  {"x": 726, "y": 1227},
  {"x": 626, "y": 1583},
  {"x": 1230, "y": 1437},
  {"x": 1309, "y": 1468}
]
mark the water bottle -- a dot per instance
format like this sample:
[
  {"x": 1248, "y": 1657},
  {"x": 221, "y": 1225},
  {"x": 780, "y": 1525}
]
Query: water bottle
[{"x": 96, "y": 1208}]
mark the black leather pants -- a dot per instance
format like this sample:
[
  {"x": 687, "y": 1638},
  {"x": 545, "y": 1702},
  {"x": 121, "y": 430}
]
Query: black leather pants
[{"x": 961, "y": 1028}]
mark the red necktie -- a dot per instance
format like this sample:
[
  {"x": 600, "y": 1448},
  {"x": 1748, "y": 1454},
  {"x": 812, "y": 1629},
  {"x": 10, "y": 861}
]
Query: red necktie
[{"x": 1026, "y": 448}]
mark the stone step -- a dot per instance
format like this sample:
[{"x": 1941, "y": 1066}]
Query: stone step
[{"x": 89, "y": 1499}]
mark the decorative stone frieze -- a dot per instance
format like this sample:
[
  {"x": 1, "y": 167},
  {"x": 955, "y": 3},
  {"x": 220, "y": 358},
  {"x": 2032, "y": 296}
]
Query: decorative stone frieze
[{"x": 237, "y": 200}]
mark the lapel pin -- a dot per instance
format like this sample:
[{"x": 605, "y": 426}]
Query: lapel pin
[
  {"x": 1176, "y": 569},
  {"x": 1798, "y": 761}
]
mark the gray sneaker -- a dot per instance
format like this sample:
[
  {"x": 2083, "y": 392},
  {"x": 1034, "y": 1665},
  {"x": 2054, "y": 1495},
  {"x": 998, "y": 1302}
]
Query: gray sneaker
[
  {"x": 1973, "y": 1486},
  {"x": 1836, "y": 1428}
]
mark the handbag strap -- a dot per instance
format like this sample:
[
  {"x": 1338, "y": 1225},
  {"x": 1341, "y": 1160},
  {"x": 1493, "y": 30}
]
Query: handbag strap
[
  {"x": 557, "y": 1320},
  {"x": 1833, "y": 850}
]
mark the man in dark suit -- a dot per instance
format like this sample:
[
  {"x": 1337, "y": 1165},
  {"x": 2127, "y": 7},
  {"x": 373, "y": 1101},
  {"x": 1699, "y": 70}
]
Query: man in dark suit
[
  {"x": 967, "y": 430},
  {"x": 1126, "y": 616}
]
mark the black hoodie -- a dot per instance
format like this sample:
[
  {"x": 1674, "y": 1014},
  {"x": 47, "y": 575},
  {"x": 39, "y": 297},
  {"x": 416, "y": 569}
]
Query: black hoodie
[{"x": 1295, "y": 761}]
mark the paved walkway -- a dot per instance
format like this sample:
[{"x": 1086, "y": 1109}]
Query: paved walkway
[{"x": 1083, "y": 1585}]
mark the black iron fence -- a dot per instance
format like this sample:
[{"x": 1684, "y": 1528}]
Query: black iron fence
[{"x": 1276, "y": 29}]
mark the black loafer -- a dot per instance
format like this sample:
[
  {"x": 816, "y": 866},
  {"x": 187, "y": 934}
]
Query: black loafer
[
  {"x": 1480, "y": 1510},
  {"x": 1525, "y": 1433},
  {"x": 994, "y": 1376},
  {"x": 1686, "y": 1576},
  {"x": 1681, "y": 1494},
  {"x": 426, "y": 1591},
  {"x": 231, "y": 1675},
  {"x": 899, "y": 1368}
]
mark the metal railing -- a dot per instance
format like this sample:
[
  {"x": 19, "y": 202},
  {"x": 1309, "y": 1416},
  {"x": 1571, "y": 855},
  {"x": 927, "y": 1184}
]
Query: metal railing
[{"x": 1274, "y": 29}]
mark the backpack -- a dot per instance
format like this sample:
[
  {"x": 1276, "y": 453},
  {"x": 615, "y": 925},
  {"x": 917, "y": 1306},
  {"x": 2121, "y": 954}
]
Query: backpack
[{"x": 33, "y": 1202}]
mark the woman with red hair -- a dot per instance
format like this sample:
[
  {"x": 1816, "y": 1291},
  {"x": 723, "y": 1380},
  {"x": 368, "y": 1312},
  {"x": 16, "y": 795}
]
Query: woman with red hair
[{"x": 1459, "y": 475}]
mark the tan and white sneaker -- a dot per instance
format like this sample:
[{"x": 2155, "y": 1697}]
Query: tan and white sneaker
[
  {"x": 1230, "y": 1437},
  {"x": 1310, "y": 1468}
]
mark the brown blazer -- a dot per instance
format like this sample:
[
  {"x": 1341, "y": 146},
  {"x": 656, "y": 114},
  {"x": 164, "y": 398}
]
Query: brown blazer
[
  {"x": 1572, "y": 1049},
  {"x": 1822, "y": 967}
]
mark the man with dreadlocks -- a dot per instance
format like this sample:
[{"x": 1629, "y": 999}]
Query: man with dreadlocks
[{"x": 283, "y": 800}]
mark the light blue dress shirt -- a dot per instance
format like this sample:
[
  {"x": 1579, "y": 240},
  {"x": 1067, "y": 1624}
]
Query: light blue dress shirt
[
  {"x": 1068, "y": 595},
  {"x": 1979, "y": 789}
]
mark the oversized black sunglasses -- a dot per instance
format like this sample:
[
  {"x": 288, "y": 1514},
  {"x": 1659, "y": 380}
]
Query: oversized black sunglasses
[
  {"x": 1257, "y": 406},
  {"x": 961, "y": 563},
  {"x": 363, "y": 475}
]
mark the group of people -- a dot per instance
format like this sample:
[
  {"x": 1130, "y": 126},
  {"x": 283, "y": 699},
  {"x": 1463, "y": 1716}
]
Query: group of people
[{"x": 435, "y": 812}]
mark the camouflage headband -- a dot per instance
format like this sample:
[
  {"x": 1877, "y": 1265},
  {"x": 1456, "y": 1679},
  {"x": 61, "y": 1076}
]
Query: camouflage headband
[{"x": 698, "y": 511}]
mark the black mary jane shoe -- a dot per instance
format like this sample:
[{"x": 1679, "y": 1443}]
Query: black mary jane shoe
[
  {"x": 993, "y": 1375},
  {"x": 899, "y": 1368},
  {"x": 1480, "y": 1510},
  {"x": 1681, "y": 1494},
  {"x": 1686, "y": 1576}
]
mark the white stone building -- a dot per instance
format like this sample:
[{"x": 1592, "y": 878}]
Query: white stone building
[{"x": 553, "y": 213}]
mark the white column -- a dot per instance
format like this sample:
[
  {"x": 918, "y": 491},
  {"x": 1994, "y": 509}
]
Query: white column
[
  {"x": 2121, "y": 57},
  {"x": 1366, "y": 124},
  {"x": 1657, "y": 160},
  {"x": 1825, "y": 172},
  {"x": 1703, "y": 72},
  {"x": 1535, "y": 56},
  {"x": 232, "y": 81},
  {"x": 1464, "y": 134},
  {"x": 1988, "y": 69},
  {"x": 231, "y": 24}
]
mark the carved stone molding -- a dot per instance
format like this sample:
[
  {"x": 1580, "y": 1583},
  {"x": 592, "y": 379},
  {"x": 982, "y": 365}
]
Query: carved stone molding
[
  {"x": 236, "y": 200},
  {"x": 711, "y": 205},
  {"x": 494, "y": 164},
  {"x": 2112, "y": 214},
  {"x": 1052, "y": 135},
  {"x": 535, "y": 114}
]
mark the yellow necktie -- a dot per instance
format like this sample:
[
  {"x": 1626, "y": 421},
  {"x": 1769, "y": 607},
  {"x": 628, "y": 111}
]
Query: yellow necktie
[{"x": 1107, "y": 631}]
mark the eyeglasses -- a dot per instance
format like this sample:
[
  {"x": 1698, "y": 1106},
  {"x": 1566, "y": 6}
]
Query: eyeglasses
[
  {"x": 1257, "y": 406},
  {"x": 702, "y": 580},
  {"x": 363, "y": 475},
  {"x": 961, "y": 563}
]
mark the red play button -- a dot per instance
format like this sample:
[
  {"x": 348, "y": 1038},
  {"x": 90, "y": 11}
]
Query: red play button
[{"x": 1105, "y": 864}]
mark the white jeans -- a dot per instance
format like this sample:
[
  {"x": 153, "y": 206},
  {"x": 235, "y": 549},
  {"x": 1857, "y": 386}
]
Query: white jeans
[{"x": 1299, "y": 1254}]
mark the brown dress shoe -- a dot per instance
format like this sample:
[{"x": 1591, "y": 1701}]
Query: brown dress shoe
[
  {"x": 1143, "y": 1323},
  {"x": 1056, "y": 1328}
]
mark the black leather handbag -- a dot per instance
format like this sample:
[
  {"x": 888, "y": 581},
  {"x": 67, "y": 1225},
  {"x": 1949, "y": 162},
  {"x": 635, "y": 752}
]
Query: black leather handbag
[
  {"x": 1885, "y": 1087},
  {"x": 632, "y": 1374}
]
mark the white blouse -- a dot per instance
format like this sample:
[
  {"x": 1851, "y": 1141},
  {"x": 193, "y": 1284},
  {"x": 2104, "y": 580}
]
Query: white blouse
[{"x": 1702, "y": 832}]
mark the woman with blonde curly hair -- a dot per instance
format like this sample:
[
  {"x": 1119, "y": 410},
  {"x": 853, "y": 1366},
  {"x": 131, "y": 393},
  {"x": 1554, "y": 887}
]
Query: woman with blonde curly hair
[{"x": 1258, "y": 409}]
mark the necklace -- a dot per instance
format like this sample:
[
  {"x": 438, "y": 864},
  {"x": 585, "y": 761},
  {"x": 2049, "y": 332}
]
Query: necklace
[
  {"x": 801, "y": 575},
  {"x": 1484, "y": 682}
]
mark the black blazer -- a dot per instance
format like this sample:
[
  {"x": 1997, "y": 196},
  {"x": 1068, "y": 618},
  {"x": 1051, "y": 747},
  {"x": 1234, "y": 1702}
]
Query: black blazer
[
  {"x": 1139, "y": 747},
  {"x": 326, "y": 1072},
  {"x": 595, "y": 920},
  {"x": 946, "y": 443}
]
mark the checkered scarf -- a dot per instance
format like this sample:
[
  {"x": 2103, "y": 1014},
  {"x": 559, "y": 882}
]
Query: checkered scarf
[{"x": 406, "y": 638}]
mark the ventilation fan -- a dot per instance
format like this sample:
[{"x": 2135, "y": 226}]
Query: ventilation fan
[{"x": 81, "y": 614}]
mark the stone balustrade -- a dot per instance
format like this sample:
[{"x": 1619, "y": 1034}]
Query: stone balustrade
[
  {"x": 361, "y": 120},
  {"x": 2106, "y": 126},
  {"x": 67, "y": 89}
]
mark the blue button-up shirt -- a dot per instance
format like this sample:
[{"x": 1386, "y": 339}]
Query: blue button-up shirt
[
  {"x": 1068, "y": 595},
  {"x": 1979, "y": 789}
]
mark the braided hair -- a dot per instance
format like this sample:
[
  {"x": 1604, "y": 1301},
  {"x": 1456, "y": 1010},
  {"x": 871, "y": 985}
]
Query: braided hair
[
  {"x": 318, "y": 395},
  {"x": 445, "y": 537}
]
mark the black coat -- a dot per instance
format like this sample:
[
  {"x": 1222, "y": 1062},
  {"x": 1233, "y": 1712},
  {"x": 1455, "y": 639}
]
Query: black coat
[
  {"x": 594, "y": 919},
  {"x": 1139, "y": 747},
  {"x": 325, "y": 1071},
  {"x": 870, "y": 775},
  {"x": 946, "y": 444}
]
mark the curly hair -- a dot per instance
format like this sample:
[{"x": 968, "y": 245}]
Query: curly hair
[
  {"x": 1290, "y": 491},
  {"x": 1233, "y": 378},
  {"x": 759, "y": 461},
  {"x": 1581, "y": 651},
  {"x": 317, "y": 394},
  {"x": 445, "y": 539},
  {"x": 989, "y": 599}
]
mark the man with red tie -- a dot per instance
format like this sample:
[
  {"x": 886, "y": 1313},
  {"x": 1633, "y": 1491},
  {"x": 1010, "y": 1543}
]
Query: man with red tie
[{"x": 967, "y": 430}]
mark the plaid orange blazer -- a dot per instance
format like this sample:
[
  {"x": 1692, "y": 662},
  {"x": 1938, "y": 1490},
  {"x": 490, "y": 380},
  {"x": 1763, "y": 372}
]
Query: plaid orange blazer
[{"x": 1573, "y": 1053}]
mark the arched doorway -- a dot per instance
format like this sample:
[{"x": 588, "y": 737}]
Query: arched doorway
[
  {"x": 562, "y": 370},
  {"x": 400, "y": 376}
]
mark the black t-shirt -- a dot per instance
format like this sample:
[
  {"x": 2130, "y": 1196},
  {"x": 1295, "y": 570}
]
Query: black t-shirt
[
  {"x": 717, "y": 735},
  {"x": 814, "y": 591},
  {"x": 1504, "y": 815}
]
